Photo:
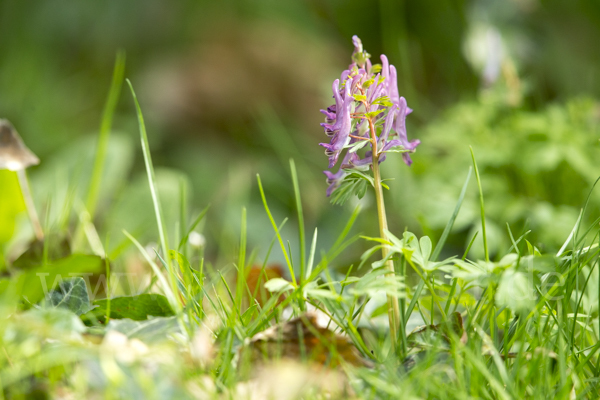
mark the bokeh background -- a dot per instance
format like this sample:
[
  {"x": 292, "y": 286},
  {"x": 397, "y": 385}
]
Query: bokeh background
[{"x": 231, "y": 89}]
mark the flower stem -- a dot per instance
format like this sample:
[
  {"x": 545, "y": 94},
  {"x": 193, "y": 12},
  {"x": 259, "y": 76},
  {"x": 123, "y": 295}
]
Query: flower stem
[{"x": 393, "y": 308}]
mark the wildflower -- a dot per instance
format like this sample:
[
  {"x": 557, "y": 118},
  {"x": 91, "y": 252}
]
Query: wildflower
[{"x": 368, "y": 108}]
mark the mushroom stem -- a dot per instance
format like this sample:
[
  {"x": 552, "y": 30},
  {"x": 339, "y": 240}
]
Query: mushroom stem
[{"x": 33, "y": 216}]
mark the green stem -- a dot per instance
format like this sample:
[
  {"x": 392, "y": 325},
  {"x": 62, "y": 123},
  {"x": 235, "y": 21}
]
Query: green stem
[
  {"x": 29, "y": 204},
  {"x": 393, "y": 308}
]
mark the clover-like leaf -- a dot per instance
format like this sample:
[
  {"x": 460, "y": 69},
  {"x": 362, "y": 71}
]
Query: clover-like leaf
[{"x": 377, "y": 281}]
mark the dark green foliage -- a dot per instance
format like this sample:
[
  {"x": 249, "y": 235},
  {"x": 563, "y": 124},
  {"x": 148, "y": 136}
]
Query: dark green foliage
[
  {"x": 35, "y": 283},
  {"x": 34, "y": 255},
  {"x": 137, "y": 308},
  {"x": 536, "y": 169},
  {"x": 71, "y": 294}
]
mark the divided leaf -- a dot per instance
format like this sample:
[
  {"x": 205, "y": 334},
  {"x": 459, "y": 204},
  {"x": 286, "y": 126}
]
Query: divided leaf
[{"x": 354, "y": 183}]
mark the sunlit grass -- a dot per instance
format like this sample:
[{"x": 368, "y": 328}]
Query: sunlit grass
[{"x": 521, "y": 324}]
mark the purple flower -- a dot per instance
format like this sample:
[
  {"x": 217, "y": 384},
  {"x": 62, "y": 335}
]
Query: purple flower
[
  {"x": 340, "y": 130},
  {"x": 374, "y": 100},
  {"x": 334, "y": 180}
]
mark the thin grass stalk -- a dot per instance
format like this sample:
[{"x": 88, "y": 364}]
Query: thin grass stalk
[
  {"x": 285, "y": 253},
  {"x": 104, "y": 136},
  {"x": 484, "y": 234},
  {"x": 172, "y": 277},
  {"x": 241, "y": 276},
  {"x": 301, "y": 235}
]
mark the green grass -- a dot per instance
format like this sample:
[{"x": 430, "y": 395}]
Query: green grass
[{"x": 528, "y": 325}]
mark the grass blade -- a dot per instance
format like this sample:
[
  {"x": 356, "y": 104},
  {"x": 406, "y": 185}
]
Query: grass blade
[
  {"x": 151, "y": 177},
  {"x": 285, "y": 254},
  {"x": 105, "y": 127},
  {"x": 311, "y": 256},
  {"x": 241, "y": 275},
  {"x": 154, "y": 192},
  {"x": 300, "y": 217},
  {"x": 483, "y": 232},
  {"x": 193, "y": 226},
  {"x": 157, "y": 272},
  {"x": 450, "y": 224}
]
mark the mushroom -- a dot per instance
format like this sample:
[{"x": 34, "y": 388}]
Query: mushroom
[{"x": 15, "y": 156}]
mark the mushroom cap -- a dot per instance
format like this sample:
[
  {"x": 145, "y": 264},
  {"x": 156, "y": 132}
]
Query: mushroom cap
[{"x": 14, "y": 155}]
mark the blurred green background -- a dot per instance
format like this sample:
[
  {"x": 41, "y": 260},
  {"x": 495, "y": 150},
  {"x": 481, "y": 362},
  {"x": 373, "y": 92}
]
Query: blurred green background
[{"x": 230, "y": 89}]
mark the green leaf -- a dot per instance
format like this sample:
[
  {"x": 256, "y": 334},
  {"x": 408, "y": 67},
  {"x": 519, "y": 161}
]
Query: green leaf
[
  {"x": 376, "y": 281},
  {"x": 375, "y": 113},
  {"x": 137, "y": 308},
  {"x": 396, "y": 150},
  {"x": 355, "y": 183},
  {"x": 426, "y": 247},
  {"x": 354, "y": 147},
  {"x": 383, "y": 100},
  {"x": 71, "y": 294},
  {"x": 153, "y": 330},
  {"x": 278, "y": 285},
  {"x": 360, "y": 97},
  {"x": 56, "y": 247},
  {"x": 35, "y": 283},
  {"x": 516, "y": 292},
  {"x": 368, "y": 83},
  {"x": 63, "y": 322}
]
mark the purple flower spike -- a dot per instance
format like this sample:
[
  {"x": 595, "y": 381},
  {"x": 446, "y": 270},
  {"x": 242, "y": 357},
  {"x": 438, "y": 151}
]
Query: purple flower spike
[{"x": 374, "y": 102}]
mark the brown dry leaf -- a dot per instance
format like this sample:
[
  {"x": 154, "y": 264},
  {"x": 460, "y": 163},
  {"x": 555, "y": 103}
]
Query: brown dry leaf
[
  {"x": 256, "y": 279},
  {"x": 303, "y": 339}
]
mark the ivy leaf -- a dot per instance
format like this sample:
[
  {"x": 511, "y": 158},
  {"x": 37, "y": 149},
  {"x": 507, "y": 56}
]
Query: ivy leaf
[{"x": 71, "y": 294}]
